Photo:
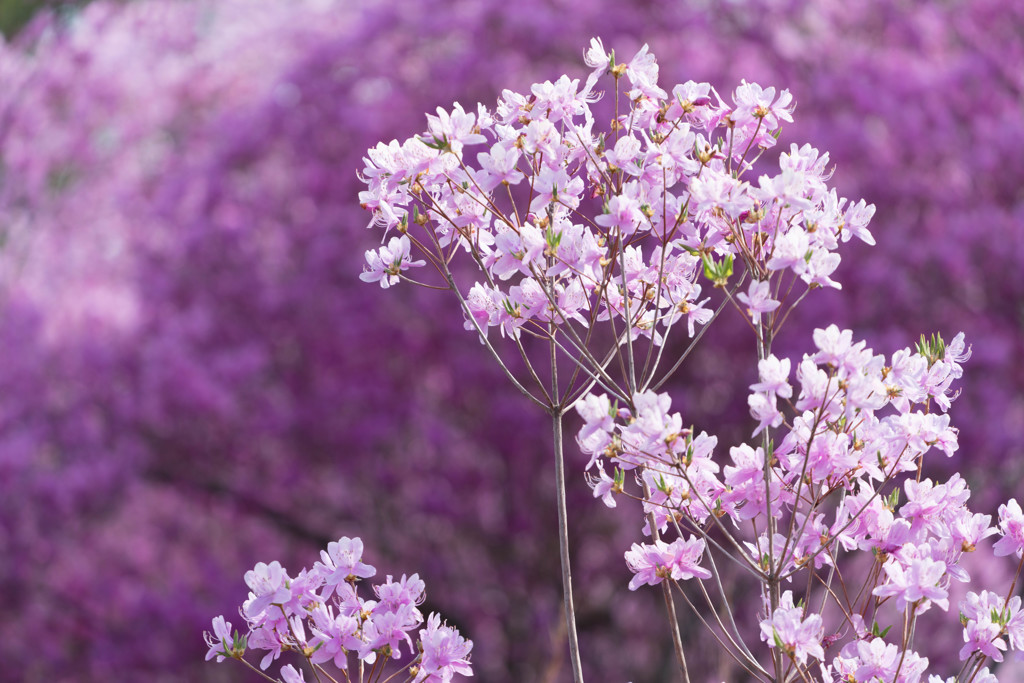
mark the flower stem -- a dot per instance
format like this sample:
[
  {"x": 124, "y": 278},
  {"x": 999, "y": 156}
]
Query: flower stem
[
  {"x": 670, "y": 603},
  {"x": 764, "y": 349},
  {"x": 563, "y": 547},
  {"x": 557, "y": 411}
]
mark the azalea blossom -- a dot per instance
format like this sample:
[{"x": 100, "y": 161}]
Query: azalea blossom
[
  {"x": 385, "y": 264},
  {"x": 679, "y": 560}
]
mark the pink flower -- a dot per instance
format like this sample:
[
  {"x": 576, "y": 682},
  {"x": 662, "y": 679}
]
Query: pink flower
[
  {"x": 624, "y": 154},
  {"x": 753, "y": 101},
  {"x": 834, "y": 345},
  {"x": 642, "y": 71},
  {"x": 917, "y": 584},
  {"x": 596, "y": 57},
  {"x": 968, "y": 529},
  {"x": 787, "y": 628},
  {"x": 220, "y": 642},
  {"x": 555, "y": 185},
  {"x": 333, "y": 636},
  {"x": 719, "y": 190},
  {"x": 405, "y": 591},
  {"x": 269, "y": 585},
  {"x": 269, "y": 638},
  {"x": 455, "y": 129},
  {"x": 484, "y": 305},
  {"x": 774, "y": 374},
  {"x": 877, "y": 660},
  {"x": 984, "y": 619},
  {"x": 597, "y": 415},
  {"x": 289, "y": 674},
  {"x": 385, "y": 630},
  {"x": 855, "y": 223},
  {"x": 957, "y": 352},
  {"x": 604, "y": 487},
  {"x": 385, "y": 264},
  {"x": 1011, "y": 527},
  {"x": 559, "y": 101},
  {"x": 764, "y": 410},
  {"x": 790, "y": 250},
  {"x": 677, "y": 560},
  {"x": 445, "y": 652},
  {"x": 758, "y": 300},
  {"x": 342, "y": 561},
  {"x": 623, "y": 213},
  {"x": 498, "y": 166},
  {"x": 745, "y": 478}
]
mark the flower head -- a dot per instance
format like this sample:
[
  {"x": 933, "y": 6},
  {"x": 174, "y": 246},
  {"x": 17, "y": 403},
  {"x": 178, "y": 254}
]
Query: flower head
[
  {"x": 445, "y": 652},
  {"x": 652, "y": 563}
]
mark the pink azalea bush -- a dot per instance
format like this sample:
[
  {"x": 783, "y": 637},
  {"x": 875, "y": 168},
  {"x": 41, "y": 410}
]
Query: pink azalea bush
[
  {"x": 604, "y": 233},
  {"x": 280, "y": 608}
]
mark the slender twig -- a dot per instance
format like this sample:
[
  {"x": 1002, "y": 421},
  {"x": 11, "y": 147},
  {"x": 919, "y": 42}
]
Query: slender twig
[
  {"x": 563, "y": 546},
  {"x": 670, "y": 605},
  {"x": 494, "y": 352},
  {"x": 727, "y": 607},
  {"x": 757, "y": 672},
  {"x": 557, "y": 411},
  {"x": 693, "y": 342},
  {"x": 772, "y": 581},
  {"x": 248, "y": 664},
  {"x": 631, "y": 364}
]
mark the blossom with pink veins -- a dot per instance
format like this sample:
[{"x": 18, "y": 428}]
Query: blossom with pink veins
[
  {"x": 384, "y": 265},
  {"x": 758, "y": 300},
  {"x": 1011, "y": 528},
  {"x": 653, "y": 563},
  {"x": 918, "y": 584},
  {"x": 797, "y": 635},
  {"x": 445, "y": 653}
]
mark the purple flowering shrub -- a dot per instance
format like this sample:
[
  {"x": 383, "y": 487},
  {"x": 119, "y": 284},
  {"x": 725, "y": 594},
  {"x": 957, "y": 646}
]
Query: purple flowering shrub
[
  {"x": 597, "y": 242},
  {"x": 293, "y": 614},
  {"x": 195, "y": 381}
]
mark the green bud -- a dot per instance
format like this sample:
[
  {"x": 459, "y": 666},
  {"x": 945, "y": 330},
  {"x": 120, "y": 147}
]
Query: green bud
[
  {"x": 933, "y": 349},
  {"x": 718, "y": 272},
  {"x": 879, "y": 633},
  {"x": 552, "y": 238}
]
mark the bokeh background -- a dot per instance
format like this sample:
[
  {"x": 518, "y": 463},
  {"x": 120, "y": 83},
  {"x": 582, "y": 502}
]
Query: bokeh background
[{"x": 192, "y": 378}]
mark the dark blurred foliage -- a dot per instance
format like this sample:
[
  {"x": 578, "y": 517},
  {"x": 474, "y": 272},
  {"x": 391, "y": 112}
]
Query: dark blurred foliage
[{"x": 14, "y": 14}]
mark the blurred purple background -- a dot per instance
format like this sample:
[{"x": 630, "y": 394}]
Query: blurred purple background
[{"x": 194, "y": 380}]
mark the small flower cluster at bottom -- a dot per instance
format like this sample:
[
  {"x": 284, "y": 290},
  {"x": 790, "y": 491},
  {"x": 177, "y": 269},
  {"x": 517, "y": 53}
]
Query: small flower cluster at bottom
[{"x": 324, "y": 603}]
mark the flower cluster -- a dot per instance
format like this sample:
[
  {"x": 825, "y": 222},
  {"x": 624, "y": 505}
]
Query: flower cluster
[
  {"x": 789, "y": 630},
  {"x": 593, "y": 226},
  {"x": 838, "y": 439},
  {"x": 854, "y": 423},
  {"x": 571, "y": 223},
  {"x": 677, "y": 560},
  {"x": 320, "y": 615},
  {"x": 988, "y": 620},
  {"x": 572, "y": 226}
]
